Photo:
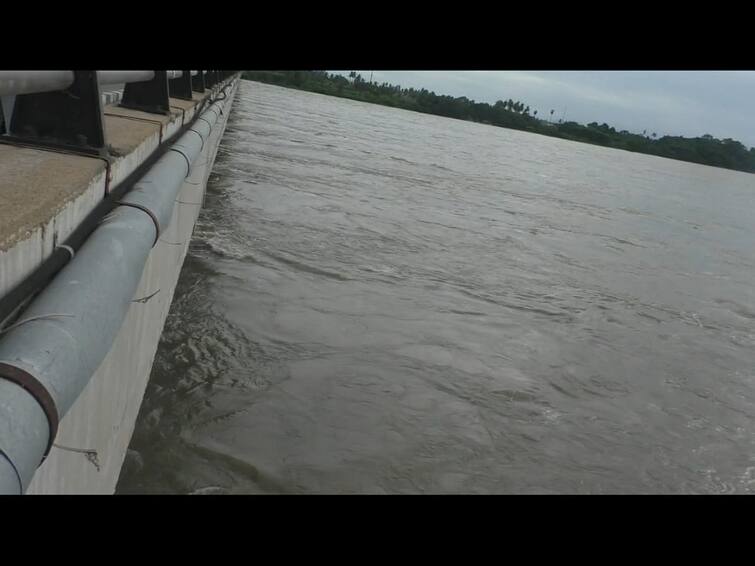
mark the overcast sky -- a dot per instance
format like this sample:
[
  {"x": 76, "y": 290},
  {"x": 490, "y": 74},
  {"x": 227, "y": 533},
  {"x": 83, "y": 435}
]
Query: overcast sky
[{"x": 687, "y": 103}]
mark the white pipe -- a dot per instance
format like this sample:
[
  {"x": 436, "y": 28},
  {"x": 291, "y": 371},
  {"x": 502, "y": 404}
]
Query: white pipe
[
  {"x": 26, "y": 82},
  {"x": 120, "y": 77}
]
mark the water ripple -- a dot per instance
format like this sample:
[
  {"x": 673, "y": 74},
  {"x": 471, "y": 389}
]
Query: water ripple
[{"x": 379, "y": 301}]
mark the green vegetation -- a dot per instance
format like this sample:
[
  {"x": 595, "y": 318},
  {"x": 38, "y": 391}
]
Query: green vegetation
[{"x": 706, "y": 150}]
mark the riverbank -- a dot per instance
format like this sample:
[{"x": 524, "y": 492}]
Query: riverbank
[{"x": 705, "y": 150}]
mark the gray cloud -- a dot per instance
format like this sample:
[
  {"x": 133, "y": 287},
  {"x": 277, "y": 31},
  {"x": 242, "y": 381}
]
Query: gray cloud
[{"x": 688, "y": 103}]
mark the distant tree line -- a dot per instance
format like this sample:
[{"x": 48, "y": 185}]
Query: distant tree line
[{"x": 707, "y": 150}]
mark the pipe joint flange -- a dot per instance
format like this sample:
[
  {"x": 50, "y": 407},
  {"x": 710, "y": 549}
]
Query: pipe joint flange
[
  {"x": 36, "y": 389},
  {"x": 201, "y": 149},
  {"x": 186, "y": 157},
  {"x": 151, "y": 214}
]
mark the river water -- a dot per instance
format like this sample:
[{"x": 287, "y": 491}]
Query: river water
[{"x": 382, "y": 301}]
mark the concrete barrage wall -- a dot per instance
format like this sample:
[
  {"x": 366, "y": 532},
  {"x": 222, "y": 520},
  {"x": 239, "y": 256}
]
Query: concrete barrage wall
[{"x": 94, "y": 435}]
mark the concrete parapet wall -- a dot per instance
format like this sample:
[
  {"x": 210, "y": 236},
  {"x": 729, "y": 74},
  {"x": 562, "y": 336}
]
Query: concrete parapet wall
[{"x": 45, "y": 194}]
